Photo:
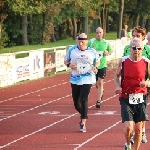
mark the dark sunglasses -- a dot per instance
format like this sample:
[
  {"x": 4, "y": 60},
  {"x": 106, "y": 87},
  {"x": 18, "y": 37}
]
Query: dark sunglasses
[{"x": 136, "y": 48}]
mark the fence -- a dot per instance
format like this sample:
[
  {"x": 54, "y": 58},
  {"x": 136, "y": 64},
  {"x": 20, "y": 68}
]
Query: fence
[{"x": 39, "y": 63}]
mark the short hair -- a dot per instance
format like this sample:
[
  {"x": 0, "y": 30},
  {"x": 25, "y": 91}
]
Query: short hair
[
  {"x": 82, "y": 36},
  {"x": 137, "y": 40},
  {"x": 141, "y": 30},
  {"x": 99, "y": 28}
]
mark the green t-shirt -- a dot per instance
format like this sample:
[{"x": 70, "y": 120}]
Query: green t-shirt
[
  {"x": 102, "y": 45},
  {"x": 146, "y": 51}
]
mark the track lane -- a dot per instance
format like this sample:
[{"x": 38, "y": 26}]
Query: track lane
[{"x": 32, "y": 130}]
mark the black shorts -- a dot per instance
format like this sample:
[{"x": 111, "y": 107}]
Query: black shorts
[
  {"x": 101, "y": 73},
  {"x": 148, "y": 89},
  {"x": 130, "y": 112}
]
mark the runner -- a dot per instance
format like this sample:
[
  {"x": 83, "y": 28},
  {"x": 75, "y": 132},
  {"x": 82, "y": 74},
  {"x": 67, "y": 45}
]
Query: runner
[
  {"x": 139, "y": 32},
  {"x": 133, "y": 91},
  {"x": 83, "y": 62},
  {"x": 104, "y": 49}
]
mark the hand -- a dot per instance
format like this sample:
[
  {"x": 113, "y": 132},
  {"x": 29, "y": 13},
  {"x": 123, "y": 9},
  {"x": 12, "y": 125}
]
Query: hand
[
  {"x": 73, "y": 66},
  {"x": 118, "y": 90},
  {"x": 94, "y": 69},
  {"x": 143, "y": 83},
  {"x": 106, "y": 53}
]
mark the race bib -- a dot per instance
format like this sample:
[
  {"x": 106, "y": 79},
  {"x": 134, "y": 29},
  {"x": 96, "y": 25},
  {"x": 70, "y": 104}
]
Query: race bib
[
  {"x": 100, "y": 54},
  {"x": 84, "y": 68},
  {"x": 136, "y": 98}
]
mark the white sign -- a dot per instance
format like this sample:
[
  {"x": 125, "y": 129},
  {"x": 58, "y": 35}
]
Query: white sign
[{"x": 7, "y": 68}]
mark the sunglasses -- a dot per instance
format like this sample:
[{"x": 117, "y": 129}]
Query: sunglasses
[{"x": 136, "y": 48}]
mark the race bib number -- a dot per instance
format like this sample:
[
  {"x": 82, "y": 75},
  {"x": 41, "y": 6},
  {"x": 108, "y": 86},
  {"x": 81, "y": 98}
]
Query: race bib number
[
  {"x": 84, "y": 68},
  {"x": 136, "y": 98},
  {"x": 100, "y": 54}
]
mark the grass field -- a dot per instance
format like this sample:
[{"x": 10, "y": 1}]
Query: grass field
[{"x": 64, "y": 42}]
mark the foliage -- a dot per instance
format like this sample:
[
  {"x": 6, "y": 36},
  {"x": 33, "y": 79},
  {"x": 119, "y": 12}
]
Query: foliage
[
  {"x": 26, "y": 6},
  {"x": 4, "y": 39}
]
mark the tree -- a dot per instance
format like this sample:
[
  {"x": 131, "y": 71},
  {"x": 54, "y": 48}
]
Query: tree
[{"x": 121, "y": 9}]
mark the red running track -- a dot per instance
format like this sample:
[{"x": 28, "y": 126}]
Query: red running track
[{"x": 40, "y": 115}]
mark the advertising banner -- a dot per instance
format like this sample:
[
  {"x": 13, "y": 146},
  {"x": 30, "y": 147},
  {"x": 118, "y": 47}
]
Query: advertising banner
[
  {"x": 7, "y": 74},
  {"x": 22, "y": 69},
  {"x": 36, "y": 59},
  {"x": 49, "y": 63},
  {"x": 60, "y": 66}
]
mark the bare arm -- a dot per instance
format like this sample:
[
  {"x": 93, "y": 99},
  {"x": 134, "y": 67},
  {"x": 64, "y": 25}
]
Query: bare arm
[
  {"x": 147, "y": 82},
  {"x": 117, "y": 77}
]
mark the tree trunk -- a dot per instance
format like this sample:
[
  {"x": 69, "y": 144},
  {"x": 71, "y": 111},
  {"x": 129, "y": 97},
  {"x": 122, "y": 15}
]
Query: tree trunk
[
  {"x": 121, "y": 9},
  {"x": 100, "y": 20},
  {"x": 24, "y": 26},
  {"x": 43, "y": 28},
  {"x": 147, "y": 24},
  {"x": 74, "y": 28},
  {"x": 105, "y": 22},
  {"x": 85, "y": 25},
  {"x": 70, "y": 27},
  {"x": 137, "y": 19},
  {"x": 0, "y": 30},
  {"x": 30, "y": 30}
]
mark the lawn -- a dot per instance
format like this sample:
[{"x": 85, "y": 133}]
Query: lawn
[{"x": 64, "y": 42}]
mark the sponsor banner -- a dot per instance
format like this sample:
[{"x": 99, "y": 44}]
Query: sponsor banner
[
  {"x": 7, "y": 74},
  {"x": 22, "y": 69},
  {"x": 60, "y": 66},
  {"x": 36, "y": 61},
  {"x": 49, "y": 63}
]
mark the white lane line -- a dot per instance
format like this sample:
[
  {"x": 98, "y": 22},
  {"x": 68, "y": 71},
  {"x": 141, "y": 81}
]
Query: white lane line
[
  {"x": 44, "y": 103},
  {"x": 96, "y": 135},
  {"x": 37, "y": 131},
  {"x": 45, "y": 126},
  {"x": 32, "y": 92},
  {"x": 34, "y": 108}
]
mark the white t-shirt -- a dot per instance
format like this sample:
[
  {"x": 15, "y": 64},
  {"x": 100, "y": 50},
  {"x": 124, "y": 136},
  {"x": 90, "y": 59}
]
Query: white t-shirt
[{"x": 84, "y": 60}]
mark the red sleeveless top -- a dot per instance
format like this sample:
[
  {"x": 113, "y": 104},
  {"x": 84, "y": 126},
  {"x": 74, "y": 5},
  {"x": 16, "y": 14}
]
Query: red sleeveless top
[{"x": 132, "y": 73}]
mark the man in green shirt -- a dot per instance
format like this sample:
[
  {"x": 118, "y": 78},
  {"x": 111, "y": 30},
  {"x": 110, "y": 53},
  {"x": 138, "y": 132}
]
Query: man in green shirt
[
  {"x": 104, "y": 49},
  {"x": 140, "y": 32}
]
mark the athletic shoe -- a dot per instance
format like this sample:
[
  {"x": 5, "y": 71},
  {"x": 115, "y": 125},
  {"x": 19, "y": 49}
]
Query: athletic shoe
[
  {"x": 144, "y": 139},
  {"x": 82, "y": 127},
  {"x": 132, "y": 139},
  {"x": 98, "y": 104},
  {"x": 127, "y": 148}
]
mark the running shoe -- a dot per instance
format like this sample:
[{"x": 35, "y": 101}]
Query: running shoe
[
  {"x": 98, "y": 104},
  {"x": 127, "y": 148},
  {"x": 82, "y": 127},
  {"x": 144, "y": 139}
]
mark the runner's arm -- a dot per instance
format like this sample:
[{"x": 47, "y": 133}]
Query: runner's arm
[{"x": 118, "y": 74}]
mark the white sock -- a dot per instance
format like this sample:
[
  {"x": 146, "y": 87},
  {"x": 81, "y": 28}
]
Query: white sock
[{"x": 143, "y": 130}]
